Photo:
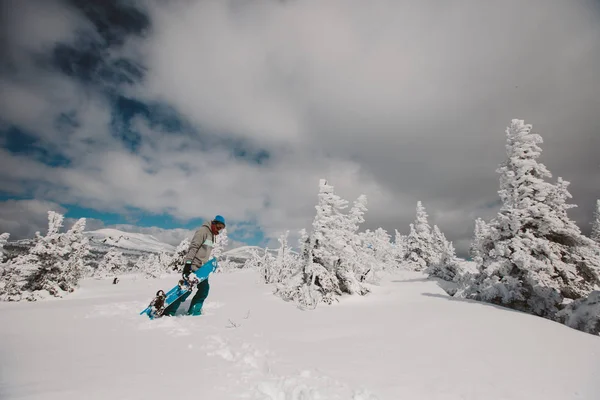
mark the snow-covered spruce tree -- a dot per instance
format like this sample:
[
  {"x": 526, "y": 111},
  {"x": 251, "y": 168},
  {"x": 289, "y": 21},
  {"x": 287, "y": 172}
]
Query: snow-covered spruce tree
[
  {"x": 595, "y": 236},
  {"x": 3, "y": 240},
  {"x": 253, "y": 261},
  {"x": 112, "y": 264},
  {"x": 286, "y": 263},
  {"x": 582, "y": 314},
  {"x": 152, "y": 267},
  {"x": 336, "y": 242},
  {"x": 221, "y": 243},
  {"x": 440, "y": 245},
  {"x": 265, "y": 265},
  {"x": 164, "y": 259},
  {"x": 331, "y": 261},
  {"x": 311, "y": 284},
  {"x": 54, "y": 265},
  {"x": 447, "y": 266},
  {"x": 377, "y": 253},
  {"x": 533, "y": 256},
  {"x": 400, "y": 247},
  {"x": 420, "y": 250},
  {"x": 476, "y": 250},
  {"x": 178, "y": 258}
]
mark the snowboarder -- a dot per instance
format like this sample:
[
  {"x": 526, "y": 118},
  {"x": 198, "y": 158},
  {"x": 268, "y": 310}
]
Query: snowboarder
[{"x": 198, "y": 254}]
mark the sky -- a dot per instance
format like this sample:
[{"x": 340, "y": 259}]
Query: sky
[{"x": 153, "y": 116}]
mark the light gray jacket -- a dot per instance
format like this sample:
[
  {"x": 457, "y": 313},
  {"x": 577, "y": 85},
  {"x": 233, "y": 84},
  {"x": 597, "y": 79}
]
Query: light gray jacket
[{"x": 201, "y": 246}]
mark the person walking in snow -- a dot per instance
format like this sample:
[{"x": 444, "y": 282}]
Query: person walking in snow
[{"x": 198, "y": 254}]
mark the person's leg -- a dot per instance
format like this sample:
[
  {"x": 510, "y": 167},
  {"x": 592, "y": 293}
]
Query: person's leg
[
  {"x": 172, "y": 308},
  {"x": 199, "y": 297}
]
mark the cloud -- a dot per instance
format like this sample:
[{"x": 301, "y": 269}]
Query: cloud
[
  {"x": 23, "y": 218},
  {"x": 396, "y": 100},
  {"x": 416, "y": 97}
]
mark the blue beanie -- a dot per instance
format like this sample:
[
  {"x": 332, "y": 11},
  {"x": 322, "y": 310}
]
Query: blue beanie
[{"x": 220, "y": 219}]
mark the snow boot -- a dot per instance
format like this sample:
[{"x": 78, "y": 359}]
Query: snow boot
[
  {"x": 199, "y": 297},
  {"x": 172, "y": 308}
]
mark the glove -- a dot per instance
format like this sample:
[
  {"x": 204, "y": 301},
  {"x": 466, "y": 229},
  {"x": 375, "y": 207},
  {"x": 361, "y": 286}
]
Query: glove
[{"x": 187, "y": 268}]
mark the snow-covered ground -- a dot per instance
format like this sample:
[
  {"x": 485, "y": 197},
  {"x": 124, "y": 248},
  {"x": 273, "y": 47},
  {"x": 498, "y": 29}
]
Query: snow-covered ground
[{"x": 405, "y": 340}]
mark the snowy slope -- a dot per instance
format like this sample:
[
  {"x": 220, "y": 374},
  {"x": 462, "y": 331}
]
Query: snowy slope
[
  {"x": 406, "y": 340},
  {"x": 243, "y": 253},
  {"x": 126, "y": 241}
]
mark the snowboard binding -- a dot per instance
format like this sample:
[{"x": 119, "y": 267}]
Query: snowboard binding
[{"x": 157, "y": 305}]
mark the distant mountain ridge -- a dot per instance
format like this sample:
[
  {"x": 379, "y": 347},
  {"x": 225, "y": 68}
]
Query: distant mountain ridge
[
  {"x": 136, "y": 244},
  {"x": 128, "y": 242}
]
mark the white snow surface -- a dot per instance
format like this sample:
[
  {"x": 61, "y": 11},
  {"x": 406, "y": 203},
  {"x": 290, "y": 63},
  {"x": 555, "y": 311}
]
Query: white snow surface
[
  {"x": 405, "y": 340},
  {"x": 128, "y": 240}
]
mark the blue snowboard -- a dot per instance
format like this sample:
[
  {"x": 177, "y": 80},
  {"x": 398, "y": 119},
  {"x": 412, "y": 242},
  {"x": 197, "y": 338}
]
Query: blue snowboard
[{"x": 163, "y": 300}]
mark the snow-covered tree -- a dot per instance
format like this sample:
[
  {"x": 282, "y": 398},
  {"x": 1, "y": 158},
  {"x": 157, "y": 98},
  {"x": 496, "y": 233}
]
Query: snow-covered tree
[
  {"x": 311, "y": 284},
  {"x": 336, "y": 242},
  {"x": 596, "y": 224},
  {"x": 151, "y": 266},
  {"x": 476, "y": 250},
  {"x": 447, "y": 266},
  {"x": 221, "y": 244},
  {"x": 265, "y": 265},
  {"x": 331, "y": 255},
  {"x": 420, "y": 250},
  {"x": 3, "y": 240},
  {"x": 534, "y": 257},
  {"x": 279, "y": 268},
  {"x": 54, "y": 265},
  {"x": 112, "y": 264},
  {"x": 178, "y": 259},
  {"x": 400, "y": 247},
  {"x": 287, "y": 259},
  {"x": 583, "y": 314},
  {"x": 440, "y": 245}
]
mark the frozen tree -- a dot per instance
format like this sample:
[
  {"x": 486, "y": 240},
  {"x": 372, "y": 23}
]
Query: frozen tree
[
  {"x": 140, "y": 264},
  {"x": 332, "y": 258},
  {"x": 3, "y": 240},
  {"x": 266, "y": 266},
  {"x": 221, "y": 244},
  {"x": 583, "y": 314},
  {"x": 377, "y": 253},
  {"x": 54, "y": 265},
  {"x": 336, "y": 242},
  {"x": 447, "y": 267},
  {"x": 164, "y": 259},
  {"x": 420, "y": 250},
  {"x": 178, "y": 259},
  {"x": 152, "y": 266},
  {"x": 476, "y": 250},
  {"x": 533, "y": 257},
  {"x": 311, "y": 284},
  {"x": 112, "y": 264},
  {"x": 400, "y": 248},
  {"x": 275, "y": 269},
  {"x": 440, "y": 245},
  {"x": 596, "y": 224},
  {"x": 286, "y": 262}
]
